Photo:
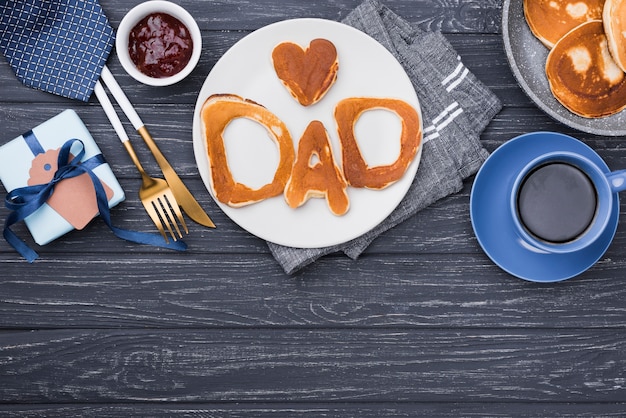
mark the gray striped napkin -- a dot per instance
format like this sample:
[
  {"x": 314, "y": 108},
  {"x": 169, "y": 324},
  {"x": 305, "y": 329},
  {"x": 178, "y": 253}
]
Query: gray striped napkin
[{"x": 456, "y": 107}]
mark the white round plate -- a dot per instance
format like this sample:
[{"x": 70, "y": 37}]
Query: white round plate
[{"x": 366, "y": 69}]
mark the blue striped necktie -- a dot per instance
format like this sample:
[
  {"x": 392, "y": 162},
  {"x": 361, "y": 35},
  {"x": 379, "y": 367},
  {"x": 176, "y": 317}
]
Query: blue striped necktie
[{"x": 58, "y": 46}]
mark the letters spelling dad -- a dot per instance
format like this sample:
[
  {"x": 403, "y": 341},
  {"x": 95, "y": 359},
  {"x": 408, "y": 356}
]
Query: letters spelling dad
[{"x": 307, "y": 74}]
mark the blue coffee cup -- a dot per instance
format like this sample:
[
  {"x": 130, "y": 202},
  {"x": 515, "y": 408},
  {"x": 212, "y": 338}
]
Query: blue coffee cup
[{"x": 561, "y": 202}]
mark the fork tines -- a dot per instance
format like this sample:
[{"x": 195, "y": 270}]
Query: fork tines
[{"x": 164, "y": 208}]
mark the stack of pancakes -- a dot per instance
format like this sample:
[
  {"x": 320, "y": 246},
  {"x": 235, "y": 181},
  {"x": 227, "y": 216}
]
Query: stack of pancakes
[{"x": 587, "y": 59}]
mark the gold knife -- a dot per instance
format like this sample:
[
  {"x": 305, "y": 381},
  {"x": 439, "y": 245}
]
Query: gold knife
[{"x": 183, "y": 196}]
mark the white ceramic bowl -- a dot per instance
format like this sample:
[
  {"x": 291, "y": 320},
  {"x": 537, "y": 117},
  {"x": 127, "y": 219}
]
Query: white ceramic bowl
[{"x": 133, "y": 17}]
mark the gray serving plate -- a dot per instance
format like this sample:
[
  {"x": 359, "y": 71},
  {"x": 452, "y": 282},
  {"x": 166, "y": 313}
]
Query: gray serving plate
[{"x": 527, "y": 58}]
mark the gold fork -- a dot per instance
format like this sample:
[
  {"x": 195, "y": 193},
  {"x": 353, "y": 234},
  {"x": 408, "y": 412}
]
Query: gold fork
[
  {"x": 184, "y": 197},
  {"x": 155, "y": 194}
]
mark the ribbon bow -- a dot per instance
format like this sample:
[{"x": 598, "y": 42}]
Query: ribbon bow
[{"x": 24, "y": 201}]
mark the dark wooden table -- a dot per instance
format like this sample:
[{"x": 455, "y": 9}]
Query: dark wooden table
[{"x": 422, "y": 324}]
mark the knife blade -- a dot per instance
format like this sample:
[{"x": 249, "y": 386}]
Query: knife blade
[{"x": 182, "y": 194}]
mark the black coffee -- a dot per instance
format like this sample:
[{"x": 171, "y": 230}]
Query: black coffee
[{"x": 557, "y": 202}]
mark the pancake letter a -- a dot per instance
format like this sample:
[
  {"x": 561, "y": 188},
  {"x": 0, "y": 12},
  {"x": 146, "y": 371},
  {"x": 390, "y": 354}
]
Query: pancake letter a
[{"x": 315, "y": 173}]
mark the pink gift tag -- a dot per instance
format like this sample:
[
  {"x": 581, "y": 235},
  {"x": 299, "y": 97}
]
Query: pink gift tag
[{"x": 74, "y": 198}]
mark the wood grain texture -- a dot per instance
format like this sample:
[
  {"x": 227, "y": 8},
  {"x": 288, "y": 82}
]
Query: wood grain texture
[
  {"x": 422, "y": 324},
  {"x": 313, "y": 365},
  {"x": 422, "y": 290},
  {"x": 328, "y": 409}
]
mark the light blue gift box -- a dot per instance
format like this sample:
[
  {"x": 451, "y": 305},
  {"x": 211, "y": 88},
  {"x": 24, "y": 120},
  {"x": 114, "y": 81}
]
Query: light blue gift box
[{"x": 16, "y": 157}]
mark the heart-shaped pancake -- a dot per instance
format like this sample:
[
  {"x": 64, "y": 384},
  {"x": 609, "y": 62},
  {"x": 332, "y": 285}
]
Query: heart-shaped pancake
[{"x": 306, "y": 73}]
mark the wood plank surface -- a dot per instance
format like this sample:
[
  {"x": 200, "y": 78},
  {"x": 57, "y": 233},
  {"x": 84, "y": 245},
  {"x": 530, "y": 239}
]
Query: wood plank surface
[
  {"x": 312, "y": 365},
  {"x": 422, "y": 324},
  {"x": 328, "y": 409},
  {"x": 386, "y": 291}
]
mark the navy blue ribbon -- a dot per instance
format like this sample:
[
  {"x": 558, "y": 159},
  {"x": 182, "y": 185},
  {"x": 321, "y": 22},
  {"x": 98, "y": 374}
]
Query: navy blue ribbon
[
  {"x": 33, "y": 143},
  {"x": 24, "y": 201}
]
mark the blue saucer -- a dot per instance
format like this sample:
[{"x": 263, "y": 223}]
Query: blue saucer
[{"x": 492, "y": 220}]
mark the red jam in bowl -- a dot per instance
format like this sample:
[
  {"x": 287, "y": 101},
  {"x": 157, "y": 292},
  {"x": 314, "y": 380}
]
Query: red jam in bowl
[{"x": 160, "y": 45}]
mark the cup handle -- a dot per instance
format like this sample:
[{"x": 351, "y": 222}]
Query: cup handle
[{"x": 617, "y": 180}]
